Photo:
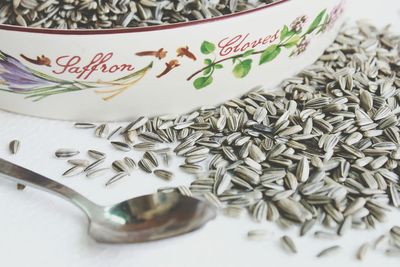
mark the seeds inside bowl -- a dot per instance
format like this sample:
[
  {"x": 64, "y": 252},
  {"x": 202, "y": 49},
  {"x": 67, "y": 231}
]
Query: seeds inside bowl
[{"x": 93, "y": 14}]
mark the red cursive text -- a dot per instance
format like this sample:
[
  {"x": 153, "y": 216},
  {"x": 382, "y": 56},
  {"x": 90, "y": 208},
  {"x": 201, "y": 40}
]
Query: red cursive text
[
  {"x": 99, "y": 63},
  {"x": 240, "y": 43}
]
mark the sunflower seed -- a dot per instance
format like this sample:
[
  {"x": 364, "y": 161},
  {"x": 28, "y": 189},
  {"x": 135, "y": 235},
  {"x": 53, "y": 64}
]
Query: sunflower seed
[
  {"x": 120, "y": 166},
  {"x": 66, "y": 153},
  {"x": 362, "y": 251},
  {"x": 96, "y": 172},
  {"x": 79, "y": 162},
  {"x": 234, "y": 212},
  {"x": 84, "y": 125},
  {"x": 395, "y": 231},
  {"x": 345, "y": 226},
  {"x": 191, "y": 168},
  {"x": 329, "y": 251},
  {"x": 151, "y": 157},
  {"x": 146, "y": 165},
  {"x": 130, "y": 163},
  {"x": 325, "y": 235},
  {"x": 213, "y": 199},
  {"x": 21, "y": 187},
  {"x": 164, "y": 174},
  {"x": 75, "y": 170},
  {"x": 303, "y": 170},
  {"x": 136, "y": 124},
  {"x": 96, "y": 154},
  {"x": 288, "y": 244},
  {"x": 121, "y": 146},
  {"x": 258, "y": 234},
  {"x": 185, "y": 191},
  {"x": 393, "y": 252},
  {"x": 395, "y": 196},
  {"x": 145, "y": 146},
  {"x": 307, "y": 226},
  {"x": 357, "y": 204},
  {"x": 116, "y": 178},
  {"x": 114, "y": 132},
  {"x": 102, "y": 131},
  {"x": 93, "y": 165},
  {"x": 381, "y": 239},
  {"x": 14, "y": 146}
]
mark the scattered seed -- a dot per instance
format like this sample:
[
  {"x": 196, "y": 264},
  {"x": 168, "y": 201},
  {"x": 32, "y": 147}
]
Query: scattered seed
[
  {"x": 362, "y": 251},
  {"x": 14, "y": 146},
  {"x": 84, "y": 125},
  {"x": 96, "y": 172},
  {"x": 75, "y": 170},
  {"x": 20, "y": 187},
  {"x": 288, "y": 244},
  {"x": 93, "y": 165},
  {"x": 96, "y": 154},
  {"x": 329, "y": 251},
  {"x": 102, "y": 131},
  {"x": 146, "y": 165},
  {"x": 258, "y": 234},
  {"x": 116, "y": 178},
  {"x": 66, "y": 153},
  {"x": 121, "y": 146},
  {"x": 164, "y": 174}
]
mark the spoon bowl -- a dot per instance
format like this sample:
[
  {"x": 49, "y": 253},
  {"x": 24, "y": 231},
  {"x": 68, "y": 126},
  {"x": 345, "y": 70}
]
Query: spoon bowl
[
  {"x": 145, "y": 218},
  {"x": 151, "y": 217}
]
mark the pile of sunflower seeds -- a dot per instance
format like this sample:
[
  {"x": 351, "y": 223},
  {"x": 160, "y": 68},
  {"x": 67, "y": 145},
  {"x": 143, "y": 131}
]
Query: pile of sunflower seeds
[
  {"x": 105, "y": 14},
  {"x": 325, "y": 150}
]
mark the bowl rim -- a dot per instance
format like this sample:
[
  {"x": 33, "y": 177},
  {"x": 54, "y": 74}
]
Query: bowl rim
[{"x": 15, "y": 28}]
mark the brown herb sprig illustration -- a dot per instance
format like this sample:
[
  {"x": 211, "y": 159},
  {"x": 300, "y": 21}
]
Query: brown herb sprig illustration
[
  {"x": 168, "y": 67},
  {"x": 40, "y": 60},
  {"x": 185, "y": 52},
  {"x": 160, "y": 53}
]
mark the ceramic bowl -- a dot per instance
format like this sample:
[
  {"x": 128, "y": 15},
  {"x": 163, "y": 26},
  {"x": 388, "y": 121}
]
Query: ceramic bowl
[{"x": 120, "y": 74}]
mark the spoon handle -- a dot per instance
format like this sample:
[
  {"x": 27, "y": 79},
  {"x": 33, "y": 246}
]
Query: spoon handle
[{"x": 25, "y": 176}]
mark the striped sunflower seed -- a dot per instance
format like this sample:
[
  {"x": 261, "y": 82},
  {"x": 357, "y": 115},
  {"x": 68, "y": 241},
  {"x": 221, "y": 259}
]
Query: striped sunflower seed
[
  {"x": 66, "y": 153},
  {"x": 164, "y": 174},
  {"x": 329, "y": 251},
  {"x": 14, "y": 146},
  {"x": 121, "y": 146},
  {"x": 288, "y": 244}
]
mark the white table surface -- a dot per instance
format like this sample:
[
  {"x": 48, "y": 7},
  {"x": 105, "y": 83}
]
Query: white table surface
[{"x": 39, "y": 229}]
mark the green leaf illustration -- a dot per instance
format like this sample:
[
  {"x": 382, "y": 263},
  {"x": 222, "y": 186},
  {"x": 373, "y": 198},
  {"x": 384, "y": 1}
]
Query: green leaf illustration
[
  {"x": 292, "y": 41},
  {"x": 207, "y": 70},
  {"x": 316, "y": 21},
  {"x": 207, "y": 61},
  {"x": 324, "y": 24},
  {"x": 248, "y": 53},
  {"x": 218, "y": 66},
  {"x": 207, "y": 47},
  {"x": 285, "y": 33},
  {"x": 269, "y": 54},
  {"x": 242, "y": 69},
  {"x": 202, "y": 82}
]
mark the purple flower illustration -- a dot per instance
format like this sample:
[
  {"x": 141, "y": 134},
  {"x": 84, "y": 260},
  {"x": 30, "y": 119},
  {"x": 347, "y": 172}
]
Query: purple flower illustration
[
  {"x": 298, "y": 24},
  {"x": 301, "y": 47},
  {"x": 18, "y": 77},
  {"x": 333, "y": 17}
]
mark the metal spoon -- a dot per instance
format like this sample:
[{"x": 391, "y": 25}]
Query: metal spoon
[{"x": 140, "y": 219}]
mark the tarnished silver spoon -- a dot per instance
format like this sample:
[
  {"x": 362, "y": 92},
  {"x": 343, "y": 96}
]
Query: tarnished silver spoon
[{"x": 140, "y": 219}]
